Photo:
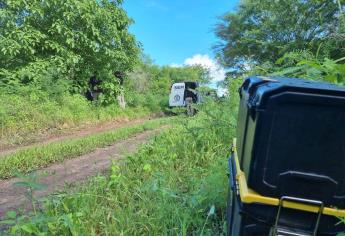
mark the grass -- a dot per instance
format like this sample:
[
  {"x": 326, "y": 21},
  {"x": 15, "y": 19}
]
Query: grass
[
  {"x": 175, "y": 185},
  {"x": 22, "y": 117},
  {"x": 41, "y": 156}
]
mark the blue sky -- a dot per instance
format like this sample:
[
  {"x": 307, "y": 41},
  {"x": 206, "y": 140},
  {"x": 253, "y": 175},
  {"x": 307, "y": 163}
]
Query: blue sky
[{"x": 173, "y": 31}]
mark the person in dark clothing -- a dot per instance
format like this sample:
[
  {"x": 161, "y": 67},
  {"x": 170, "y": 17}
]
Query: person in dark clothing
[
  {"x": 120, "y": 76},
  {"x": 94, "y": 88}
]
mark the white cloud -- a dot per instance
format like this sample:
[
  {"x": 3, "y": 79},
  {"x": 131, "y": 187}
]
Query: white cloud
[
  {"x": 222, "y": 92},
  {"x": 217, "y": 72},
  {"x": 175, "y": 65}
]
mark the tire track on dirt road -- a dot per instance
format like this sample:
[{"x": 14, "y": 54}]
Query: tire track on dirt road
[
  {"x": 70, "y": 172},
  {"x": 78, "y": 132}
]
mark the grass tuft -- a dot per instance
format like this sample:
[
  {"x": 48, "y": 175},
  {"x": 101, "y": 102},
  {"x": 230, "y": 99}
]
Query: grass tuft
[{"x": 38, "y": 157}]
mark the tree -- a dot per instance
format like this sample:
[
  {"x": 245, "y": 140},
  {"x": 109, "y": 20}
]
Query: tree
[
  {"x": 148, "y": 77},
  {"x": 264, "y": 30},
  {"x": 185, "y": 73},
  {"x": 149, "y": 85},
  {"x": 73, "y": 40}
]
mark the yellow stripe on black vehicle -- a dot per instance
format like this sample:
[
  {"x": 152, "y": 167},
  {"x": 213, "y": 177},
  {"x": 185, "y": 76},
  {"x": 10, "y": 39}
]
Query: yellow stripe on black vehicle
[{"x": 249, "y": 196}]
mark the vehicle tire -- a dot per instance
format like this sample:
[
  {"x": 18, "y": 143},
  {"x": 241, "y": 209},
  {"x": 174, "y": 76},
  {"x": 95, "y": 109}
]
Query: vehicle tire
[
  {"x": 190, "y": 110},
  {"x": 189, "y": 107},
  {"x": 230, "y": 212}
]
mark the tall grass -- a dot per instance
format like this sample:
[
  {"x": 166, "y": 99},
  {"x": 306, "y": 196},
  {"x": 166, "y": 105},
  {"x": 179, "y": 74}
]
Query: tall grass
[
  {"x": 176, "y": 185},
  {"x": 23, "y": 117}
]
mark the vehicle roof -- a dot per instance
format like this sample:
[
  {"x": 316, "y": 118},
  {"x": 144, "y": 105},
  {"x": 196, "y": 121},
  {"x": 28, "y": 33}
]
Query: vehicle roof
[{"x": 187, "y": 82}]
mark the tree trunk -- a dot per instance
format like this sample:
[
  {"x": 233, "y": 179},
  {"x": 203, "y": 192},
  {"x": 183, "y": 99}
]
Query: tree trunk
[{"x": 121, "y": 99}]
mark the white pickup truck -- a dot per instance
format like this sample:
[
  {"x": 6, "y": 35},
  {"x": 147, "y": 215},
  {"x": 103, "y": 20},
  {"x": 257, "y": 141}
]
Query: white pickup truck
[{"x": 184, "y": 93}]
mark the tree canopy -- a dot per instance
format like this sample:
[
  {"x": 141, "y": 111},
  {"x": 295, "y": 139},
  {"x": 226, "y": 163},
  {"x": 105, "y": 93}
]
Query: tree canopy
[
  {"x": 158, "y": 79},
  {"x": 67, "y": 40},
  {"x": 264, "y": 30}
]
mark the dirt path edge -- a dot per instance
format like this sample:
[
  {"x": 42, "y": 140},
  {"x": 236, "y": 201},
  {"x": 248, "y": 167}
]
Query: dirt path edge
[{"x": 70, "y": 172}]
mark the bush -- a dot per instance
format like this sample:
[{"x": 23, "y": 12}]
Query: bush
[
  {"x": 151, "y": 101},
  {"x": 26, "y": 111}
]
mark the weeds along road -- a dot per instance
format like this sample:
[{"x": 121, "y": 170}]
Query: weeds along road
[
  {"x": 70, "y": 172},
  {"x": 74, "y": 133}
]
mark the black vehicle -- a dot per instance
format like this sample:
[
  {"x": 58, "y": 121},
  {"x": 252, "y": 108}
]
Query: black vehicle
[{"x": 291, "y": 148}]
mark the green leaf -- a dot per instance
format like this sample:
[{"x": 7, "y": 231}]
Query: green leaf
[
  {"x": 29, "y": 228},
  {"x": 309, "y": 63},
  {"x": 147, "y": 168},
  {"x": 11, "y": 215},
  {"x": 7, "y": 222}
]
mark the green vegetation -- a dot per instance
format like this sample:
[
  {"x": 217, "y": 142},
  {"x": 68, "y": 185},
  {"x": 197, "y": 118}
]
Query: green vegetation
[
  {"x": 26, "y": 110},
  {"x": 304, "y": 64},
  {"x": 149, "y": 85},
  {"x": 49, "y": 52},
  {"x": 22, "y": 117},
  {"x": 292, "y": 38},
  {"x": 66, "y": 41},
  {"x": 177, "y": 185},
  {"x": 262, "y": 31},
  {"x": 37, "y": 157}
]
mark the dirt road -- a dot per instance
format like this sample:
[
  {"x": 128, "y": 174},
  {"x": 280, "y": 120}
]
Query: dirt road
[
  {"x": 69, "y": 172},
  {"x": 74, "y": 133}
]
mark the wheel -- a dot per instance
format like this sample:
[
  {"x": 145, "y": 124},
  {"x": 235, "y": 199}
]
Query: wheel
[
  {"x": 190, "y": 110},
  {"x": 230, "y": 212},
  {"x": 189, "y": 106}
]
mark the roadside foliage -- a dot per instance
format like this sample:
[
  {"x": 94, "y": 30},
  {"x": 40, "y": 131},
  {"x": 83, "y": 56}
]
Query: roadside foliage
[
  {"x": 65, "y": 41},
  {"x": 177, "y": 184}
]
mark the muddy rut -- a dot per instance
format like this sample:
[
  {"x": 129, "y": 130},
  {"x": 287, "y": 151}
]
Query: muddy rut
[{"x": 69, "y": 172}]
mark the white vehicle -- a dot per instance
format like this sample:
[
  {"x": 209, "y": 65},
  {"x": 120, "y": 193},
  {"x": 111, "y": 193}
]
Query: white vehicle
[{"x": 183, "y": 94}]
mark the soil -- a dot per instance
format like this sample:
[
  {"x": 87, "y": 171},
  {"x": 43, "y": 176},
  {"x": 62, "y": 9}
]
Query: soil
[
  {"x": 74, "y": 133},
  {"x": 71, "y": 171}
]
